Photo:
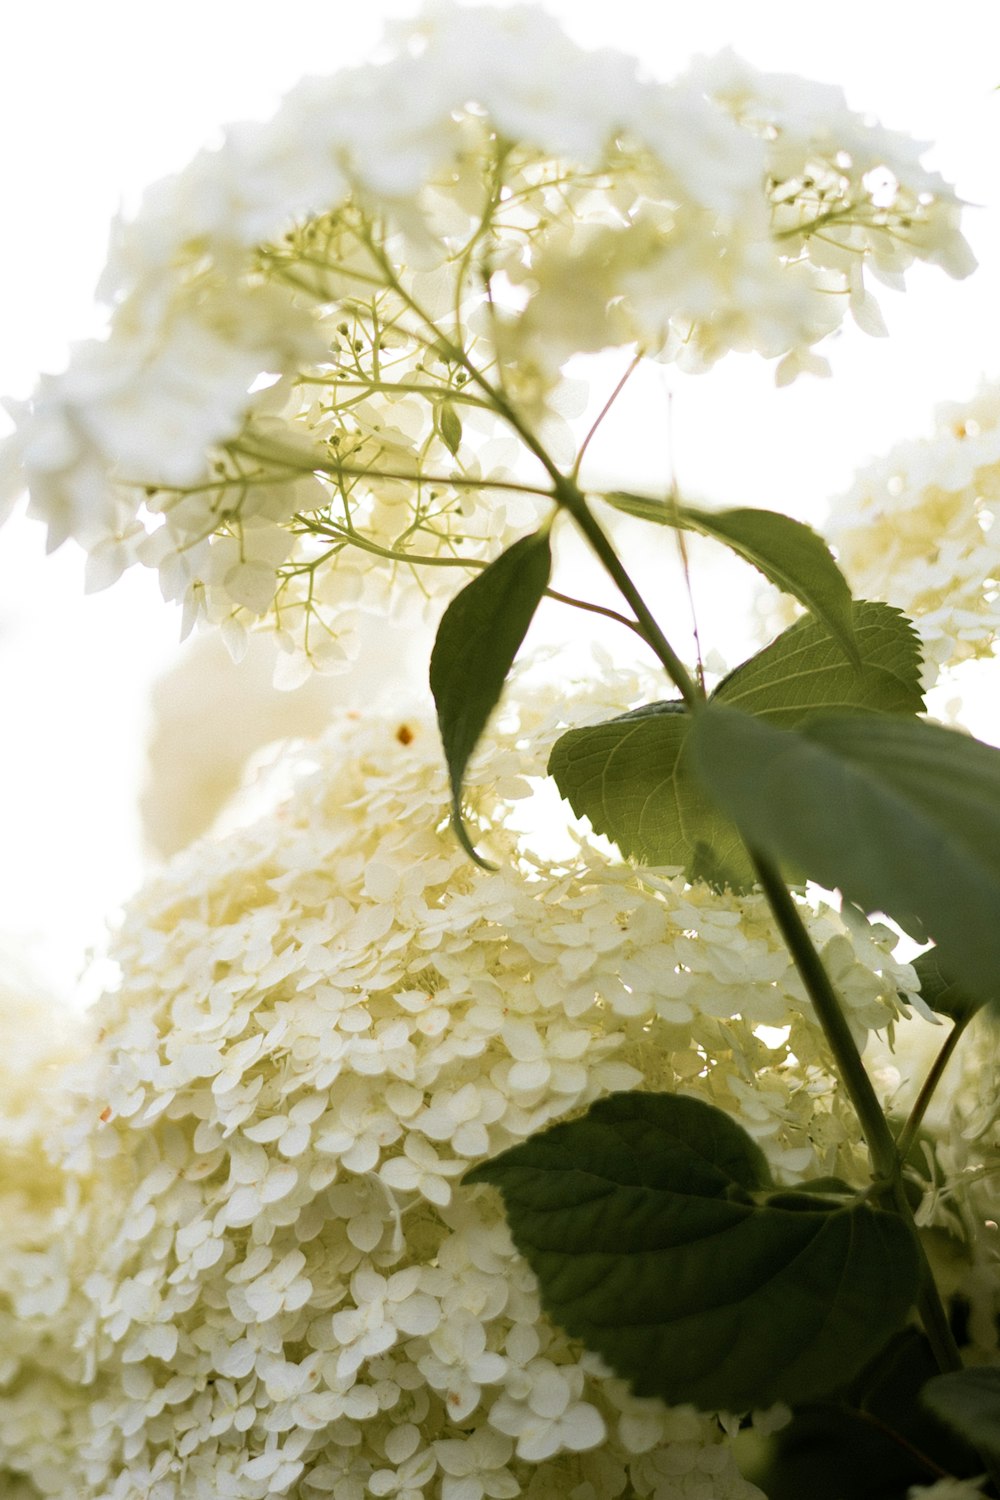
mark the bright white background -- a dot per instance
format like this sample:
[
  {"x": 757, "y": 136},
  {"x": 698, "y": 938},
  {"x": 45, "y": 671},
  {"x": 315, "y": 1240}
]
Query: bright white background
[{"x": 97, "y": 100}]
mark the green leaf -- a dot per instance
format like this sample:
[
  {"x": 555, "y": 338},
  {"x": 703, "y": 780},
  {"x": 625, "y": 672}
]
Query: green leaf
[
  {"x": 804, "y": 671},
  {"x": 787, "y": 552},
  {"x": 940, "y": 991},
  {"x": 642, "y": 1224},
  {"x": 449, "y": 425},
  {"x": 479, "y": 636},
  {"x": 632, "y": 777},
  {"x": 968, "y": 1401},
  {"x": 901, "y": 815},
  {"x": 872, "y": 1442}
]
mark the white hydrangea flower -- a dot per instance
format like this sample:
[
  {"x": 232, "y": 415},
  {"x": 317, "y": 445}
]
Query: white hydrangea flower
[
  {"x": 336, "y": 341},
  {"x": 257, "y": 1273},
  {"x": 41, "y": 1257},
  {"x": 918, "y": 529},
  {"x": 548, "y": 1420},
  {"x": 474, "y": 1468},
  {"x": 691, "y": 1471}
]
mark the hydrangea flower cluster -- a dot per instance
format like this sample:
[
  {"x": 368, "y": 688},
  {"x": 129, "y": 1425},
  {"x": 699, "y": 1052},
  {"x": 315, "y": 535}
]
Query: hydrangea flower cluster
[
  {"x": 309, "y": 324},
  {"x": 918, "y": 529},
  {"x": 257, "y": 1273},
  {"x": 43, "y": 1255}
]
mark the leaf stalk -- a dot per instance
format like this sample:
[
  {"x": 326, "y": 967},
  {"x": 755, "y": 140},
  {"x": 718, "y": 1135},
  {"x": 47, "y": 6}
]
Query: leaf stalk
[
  {"x": 908, "y": 1134},
  {"x": 571, "y": 499}
]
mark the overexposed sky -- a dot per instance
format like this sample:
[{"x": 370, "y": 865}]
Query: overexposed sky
[{"x": 97, "y": 100}]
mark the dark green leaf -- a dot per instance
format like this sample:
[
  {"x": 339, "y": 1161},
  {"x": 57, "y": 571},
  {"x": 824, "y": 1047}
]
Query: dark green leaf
[
  {"x": 968, "y": 1401},
  {"x": 450, "y": 426},
  {"x": 940, "y": 990},
  {"x": 788, "y": 553},
  {"x": 901, "y": 815},
  {"x": 872, "y": 1442},
  {"x": 643, "y": 1223},
  {"x": 479, "y": 636},
  {"x": 830, "y": 1187},
  {"x": 804, "y": 670}
]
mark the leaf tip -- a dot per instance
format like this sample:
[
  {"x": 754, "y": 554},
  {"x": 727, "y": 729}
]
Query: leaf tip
[{"x": 462, "y": 834}]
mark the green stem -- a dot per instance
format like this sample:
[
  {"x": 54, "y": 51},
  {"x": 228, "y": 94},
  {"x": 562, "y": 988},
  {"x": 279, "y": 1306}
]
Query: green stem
[
  {"x": 439, "y": 392},
  {"x": 428, "y": 560},
  {"x": 571, "y": 499},
  {"x": 908, "y": 1134},
  {"x": 874, "y": 1125},
  {"x": 566, "y": 494},
  {"x": 878, "y": 1136},
  {"x": 596, "y": 609},
  {"x": 337, "y": 470}
]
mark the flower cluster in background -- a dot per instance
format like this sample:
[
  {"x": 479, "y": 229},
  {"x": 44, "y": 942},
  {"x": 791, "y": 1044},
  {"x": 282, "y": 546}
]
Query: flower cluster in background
[
  {"x": 252, "y": 1269},
  {"x": 918, "y": 529},
  {"x": 309, "y": 324}
]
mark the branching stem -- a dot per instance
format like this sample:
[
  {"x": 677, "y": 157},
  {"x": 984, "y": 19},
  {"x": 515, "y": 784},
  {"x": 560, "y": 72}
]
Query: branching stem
[
  {"x": 569, "y": 497},
  {"x": 354, "y": 538},
  {"x": 572, "y": 500},
  {"x": 882, "y": 1149}
]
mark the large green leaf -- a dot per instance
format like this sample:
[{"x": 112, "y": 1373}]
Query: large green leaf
[
  {"x": 968, "y": 1401},
  {"x": 631, "y": 776},
  {"x": 804, "y": 671},
  {"x": 648, "y": 1226},
  {"x": 871, "y": 1441},
  {"x": 479, "y": 636},
  {"x": 901, "y": 815},
  {"x": 788, "y": 553}
]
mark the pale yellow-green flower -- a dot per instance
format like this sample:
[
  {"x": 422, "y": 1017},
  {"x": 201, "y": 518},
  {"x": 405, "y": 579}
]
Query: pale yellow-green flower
[
  {"x": 336, "y": 342},
  {"x": 260, "y": 1274},
  {"x": 918, "y": 528}
]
